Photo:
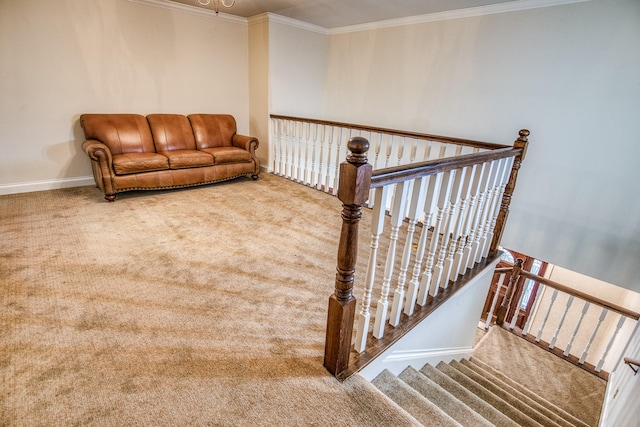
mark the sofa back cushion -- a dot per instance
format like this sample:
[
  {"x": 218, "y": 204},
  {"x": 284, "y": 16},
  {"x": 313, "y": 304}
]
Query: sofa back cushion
[
  {"x": 171, "y": 132},
  {"x": 122, "y": 133},
  {"x": 213, "y": 130}
]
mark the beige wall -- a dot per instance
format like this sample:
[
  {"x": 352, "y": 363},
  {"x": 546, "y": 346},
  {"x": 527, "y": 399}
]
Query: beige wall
[
  {"x": 259, "y": 86},
  {"x": 570, "y": 74},
  {"x": 62, "y": 58},
  {"x": 297, "y": 67}
]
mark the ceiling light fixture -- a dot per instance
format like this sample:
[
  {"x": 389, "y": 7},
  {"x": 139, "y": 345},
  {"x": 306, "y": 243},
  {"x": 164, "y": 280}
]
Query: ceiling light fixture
[{"x": 216, "y": 3}]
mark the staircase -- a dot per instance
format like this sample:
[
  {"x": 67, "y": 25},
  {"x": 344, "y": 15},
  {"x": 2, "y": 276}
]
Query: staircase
[{"x": 469, "y": 393}]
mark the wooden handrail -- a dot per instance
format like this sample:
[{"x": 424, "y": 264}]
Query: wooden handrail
[
  {"x": 582, "y": 295},
  {"x": 393, "y": 175},
  {"x": 570, "y": 291},
  {"x": 417, "y": 135},
  {"x": 632, "y": 362}
]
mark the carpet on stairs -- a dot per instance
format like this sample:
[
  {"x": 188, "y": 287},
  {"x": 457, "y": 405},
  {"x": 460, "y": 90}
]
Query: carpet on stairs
[{"x": 466, "y": 393}]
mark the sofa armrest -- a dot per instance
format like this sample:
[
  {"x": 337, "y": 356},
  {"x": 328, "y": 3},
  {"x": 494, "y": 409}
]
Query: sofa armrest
[
  {"x": 102, "y": 165},
  {"x": 98, "y": 151},
  {"x": 248, "y": 143}
]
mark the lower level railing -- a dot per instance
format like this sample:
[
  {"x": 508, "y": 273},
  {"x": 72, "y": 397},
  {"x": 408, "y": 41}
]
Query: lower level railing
[{"x": 585, "y": 330}]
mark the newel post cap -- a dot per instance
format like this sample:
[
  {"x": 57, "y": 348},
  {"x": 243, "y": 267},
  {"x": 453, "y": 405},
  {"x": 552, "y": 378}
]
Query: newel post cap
[{"x": 358, "y": 147}]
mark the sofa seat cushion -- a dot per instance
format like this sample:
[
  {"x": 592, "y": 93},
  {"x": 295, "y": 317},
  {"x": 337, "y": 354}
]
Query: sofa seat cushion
[
  {"x": 180, "y": 159},
  {"x": 228, "y": 155},
  {"x": 139, "y": 162}
]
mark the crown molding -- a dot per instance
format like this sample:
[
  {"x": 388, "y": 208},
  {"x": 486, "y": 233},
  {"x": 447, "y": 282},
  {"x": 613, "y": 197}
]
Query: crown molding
[
  {"x": 194, "y": 10},
  {"x": 272, "y": 17},
  {"x": 512, "y": 6}
]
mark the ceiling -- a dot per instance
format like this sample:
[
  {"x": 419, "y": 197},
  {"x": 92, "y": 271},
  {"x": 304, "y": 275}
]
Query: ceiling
[{"x": 342, "y": 13}]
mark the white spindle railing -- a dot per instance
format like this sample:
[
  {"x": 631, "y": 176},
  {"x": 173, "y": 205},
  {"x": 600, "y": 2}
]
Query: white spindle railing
[
  {"x": 424, "y": 267},
  {"x": 561, "y": 322},
  {"x": 309, "y": 151},
  {"x": 417, "y": 184}
]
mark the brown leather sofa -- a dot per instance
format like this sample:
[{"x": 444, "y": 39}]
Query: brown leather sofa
[{"x": 133, "y": 152}]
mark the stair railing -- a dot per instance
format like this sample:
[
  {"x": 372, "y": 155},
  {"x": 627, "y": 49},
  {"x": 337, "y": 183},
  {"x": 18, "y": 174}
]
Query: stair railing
[
  {"x": 458, "y": 203},
  {"x": 309, "y": 151},
  {"x": 564, "y": 319}
]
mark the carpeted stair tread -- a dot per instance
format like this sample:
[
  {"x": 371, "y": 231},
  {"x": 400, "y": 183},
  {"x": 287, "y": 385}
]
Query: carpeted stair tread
[
  {"x": 443, "y": 399},
  {"x": 518, "y": 400},
  {"x": 514, "y": 413},
  {"x": 485, "y": 370},
  {"x": 483, "y": 408},
  {"x": 412, "y": 402}
]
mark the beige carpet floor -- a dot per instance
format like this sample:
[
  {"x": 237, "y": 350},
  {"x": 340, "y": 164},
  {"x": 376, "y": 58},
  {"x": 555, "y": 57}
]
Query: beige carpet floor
[
  {"x": 575, "y": 390},
  {"x": 204, "y": 306}
]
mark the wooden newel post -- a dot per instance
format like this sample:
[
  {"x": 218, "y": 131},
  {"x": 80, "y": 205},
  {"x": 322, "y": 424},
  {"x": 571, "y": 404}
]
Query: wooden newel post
[
  {"x": 501, "y": 221},
  {"x": 506, "y": 301},
  {"x": 355, "y": 183}
]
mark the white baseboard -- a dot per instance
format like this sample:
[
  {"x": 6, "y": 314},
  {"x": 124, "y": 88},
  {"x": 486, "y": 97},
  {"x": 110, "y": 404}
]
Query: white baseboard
[
  {"x": 397, "y": 361},
  {"x": 50, "y": 184}
]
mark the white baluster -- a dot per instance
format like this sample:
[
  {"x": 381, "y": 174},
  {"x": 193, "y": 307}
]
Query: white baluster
[
  {"x": 374, "y": 164},
  {"x": 610, "y": 344},
  {"x": 443, "y": 150},
  {"x": 414, "y": 151},
  {"x": 416, "y": 205},
  {"x": 491, "y": 312},
  {"x": 435, "y": 235},
  {"x": 320, "y": 179},
  {"x": 430, "y": 208},
  {"x": 490, "y": 204},
  {"x": 276, "y": 146},
  {"x": 314, "y": 176},
  {"x": 458, "y": 196},
  {"x": 552, "y": 344},
  {"x": 334, "y": 187},
  {"x": 474, "y": 212},
  {"x": 471, "y": 176},
  {"x": 388, "y": 152},
  {"x": 301, "y": 153},
  {"x": 427, "y": 150},
  {"x": 400, "y": 152},
  {"x": 414, "y": 283},
  {"x": 444, "y": 210},
  {"x": 585, "y": 308},
  {"x": 497, "y": 201},
  {"x": 481, "y": 212},
  {"x": 516, "y": 312},
  {"x": 307, "y": 156},
  {"x": 298, "y": 152},
  {"x": 377, "y": 226},
  {"x": 585, "y": 353},
  {"x": 546, "y": 316},
  {"x": 534, "y": 309},
  {"x": 287, "y": 172},
  {"x": 397, "y": 215},
  {"x": 326, "y": 185}
]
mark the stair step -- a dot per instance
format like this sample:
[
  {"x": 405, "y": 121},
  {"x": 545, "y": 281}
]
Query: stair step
[
  {"x": 525, "y": 405},
  {"x": 443, "y": 399},
  {"x": 469, "y": 393},
  {"x": 514, "y": 413},
  {"x": 411, "y": 401},
  {"x": 468, "y": 398},
  {"x": 486, "y": 370}
]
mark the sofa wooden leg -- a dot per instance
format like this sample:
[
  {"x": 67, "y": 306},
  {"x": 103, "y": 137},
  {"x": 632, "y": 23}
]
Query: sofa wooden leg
[
  {"x": 110, "y": 197},
  {"x": 254, "y": 176}
]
